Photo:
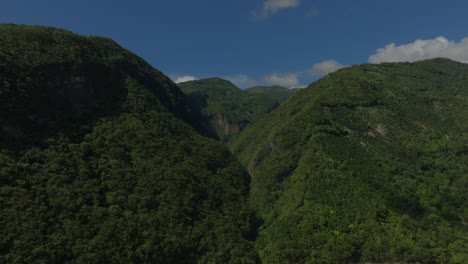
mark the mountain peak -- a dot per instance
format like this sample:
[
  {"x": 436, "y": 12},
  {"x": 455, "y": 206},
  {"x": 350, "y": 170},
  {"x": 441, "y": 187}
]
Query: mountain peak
[{"x": 98, "y": 165}]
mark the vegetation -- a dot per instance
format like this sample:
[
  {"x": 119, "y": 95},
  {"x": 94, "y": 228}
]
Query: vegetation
[
  {"x": 99, "y": 162},
  {"x": 366, "y": 165},
  {"x": 223, "y": 108},
  {"x": 97, "y": 165},
  {"x": 281, "y": 94}
]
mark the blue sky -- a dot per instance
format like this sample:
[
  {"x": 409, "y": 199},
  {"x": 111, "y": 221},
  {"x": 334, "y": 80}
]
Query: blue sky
[{"x": 250, "y": 42}]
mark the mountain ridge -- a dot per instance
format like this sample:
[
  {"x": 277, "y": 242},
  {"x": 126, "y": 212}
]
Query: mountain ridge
[
  {"x": 224, "y": 109},
  {"x": 98, "y": 162},
  {"x": 69, "y": 95},
  {"x": 280, "y": 93},
  {"x": 351, "y": 168}
]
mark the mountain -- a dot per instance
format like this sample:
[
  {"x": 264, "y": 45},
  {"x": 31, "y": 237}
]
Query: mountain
[
  {"x": 98, "y": 163},
  {"x": 368, "y": 164},
  {"x": 224, "y": 108},
  {"x": 277, "y": 92}
]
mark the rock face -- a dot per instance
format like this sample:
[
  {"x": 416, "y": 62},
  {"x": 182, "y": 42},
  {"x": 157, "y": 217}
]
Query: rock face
[
  {"x": 365, "y": 165},
  {"x": 97, "y": 164},
  {"x": 222, "y": 126},
  {"x": 224, "y": 109}
]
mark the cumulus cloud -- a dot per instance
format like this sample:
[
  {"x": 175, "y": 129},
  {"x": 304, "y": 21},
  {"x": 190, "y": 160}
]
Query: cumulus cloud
[
  {"x": 287, "y": 80},
  {"x": 325, "y": 67},
  {"x": 271, "y": 7},
  {"x": 423, "y": 49},
  {"x": 185, "y": 78}
]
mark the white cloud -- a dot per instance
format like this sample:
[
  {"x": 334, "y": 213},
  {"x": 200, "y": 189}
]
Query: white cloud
[
  {"x": 423, "y": 49},
  {"x": 185, "y": 78},
  {"x": 325, "y": 67},
  {"x": 287, "y": 80},
  {"x": 271, "y": 7}
]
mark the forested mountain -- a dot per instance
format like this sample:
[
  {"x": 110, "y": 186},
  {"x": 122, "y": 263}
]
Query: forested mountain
[
  {"x": 223, "y": 108},
  {"x": 281, "y": 94},
  {"x": 369, "y": 164},
  {"x": 98, "y": 166},
  {"x": 100, "y": 161}
]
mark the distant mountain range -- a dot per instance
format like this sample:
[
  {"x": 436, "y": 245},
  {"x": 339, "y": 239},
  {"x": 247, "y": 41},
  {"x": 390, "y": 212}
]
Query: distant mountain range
[
  {"x": 225, "y": 110},
  {"x": 103, "y": 159},
  {"x": 280, "y": 93}
]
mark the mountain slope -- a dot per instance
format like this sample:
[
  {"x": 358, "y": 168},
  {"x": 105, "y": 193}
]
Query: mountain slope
[
  {"x": 224, "y": 108},
  {"x": 281, "y": 94},
  {"x": 97, "y": 165},
  {"x": 367, "y": 164},
  {"x": 60, "y": 78}
]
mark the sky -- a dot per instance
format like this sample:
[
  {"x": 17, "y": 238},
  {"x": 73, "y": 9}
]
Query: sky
[{"x": 260, "y": 42}]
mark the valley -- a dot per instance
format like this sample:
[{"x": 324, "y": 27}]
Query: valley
[{"x": 104, "y": 159}]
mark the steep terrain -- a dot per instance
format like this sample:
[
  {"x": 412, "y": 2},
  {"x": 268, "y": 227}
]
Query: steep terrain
[
  {"x": 281, "y": 94},
  {"x": 98, "y": 162},
  {"x": 224, "y": 108},
  {"x": 98, "y": 166},
  {"x": 366, "y": 165}
]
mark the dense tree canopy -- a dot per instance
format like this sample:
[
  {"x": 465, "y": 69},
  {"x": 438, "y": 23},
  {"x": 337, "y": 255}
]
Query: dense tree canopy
[
  {"x": 281, "y": 94},
  {"x": 97, "y": 166},
  {"x": 100, "y": 161},
  {"x": 367, "y": 164},
  {"x": 223, "y": 108}
]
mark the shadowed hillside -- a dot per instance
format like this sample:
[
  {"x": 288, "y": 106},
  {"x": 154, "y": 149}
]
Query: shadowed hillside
[
  {"x": 224, "y": 109},
  {"x": 98, "y": 166},
  {"x": 100, "y": 161}
]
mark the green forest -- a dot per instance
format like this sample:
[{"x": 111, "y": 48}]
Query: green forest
[
  {"x": 224, "y": 109},
  {"x": 98, "y": 166},
  {"x": 103, "y": 159},
  {"x": 281, "y": 94},
  {"x": 369, "y": 164}
]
